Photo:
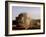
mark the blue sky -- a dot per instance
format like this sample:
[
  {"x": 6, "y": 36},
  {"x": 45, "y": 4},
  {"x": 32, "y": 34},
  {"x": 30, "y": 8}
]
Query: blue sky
[{"x": 34, "y": 12}]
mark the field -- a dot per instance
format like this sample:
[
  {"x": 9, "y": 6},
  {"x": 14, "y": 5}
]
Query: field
[{"x": 35, "y": 24}]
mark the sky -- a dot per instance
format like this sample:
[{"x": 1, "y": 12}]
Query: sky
[{"x": 33, "y": 12}]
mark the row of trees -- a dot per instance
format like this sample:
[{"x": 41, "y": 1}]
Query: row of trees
[{"x": 25, "y": 22}]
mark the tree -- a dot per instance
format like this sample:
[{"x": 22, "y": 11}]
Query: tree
[{"x": 22, "y": 20}]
